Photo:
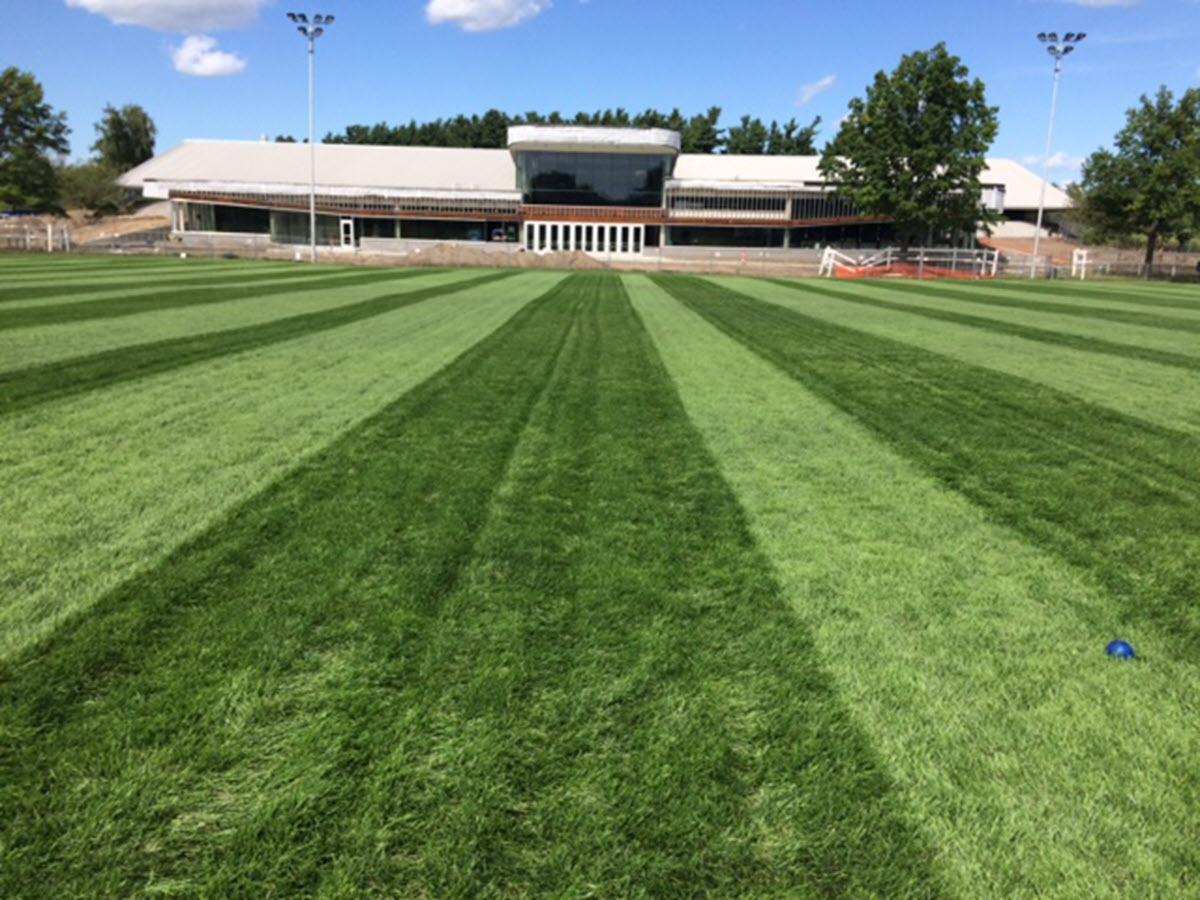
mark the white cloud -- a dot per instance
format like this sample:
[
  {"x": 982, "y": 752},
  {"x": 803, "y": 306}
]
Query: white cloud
[
  {"x": 483, "y": 15},
  {"x": 810, "y": 92},
  {"x": 175, "y": 15},
  {"x": 198, "y": 55},
  {"x": 1058, "y": 160}
]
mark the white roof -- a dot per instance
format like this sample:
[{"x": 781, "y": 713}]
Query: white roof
[
  {"x": 728, "y": 171},
  {"x": 596, "y": 138},
  {"x": 448, "y": 169},
  {"x": 451, "y": 171}
]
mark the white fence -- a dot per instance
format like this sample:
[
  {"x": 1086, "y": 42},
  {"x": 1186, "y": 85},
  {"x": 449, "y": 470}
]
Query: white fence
[{"x": 919, "y": 262}]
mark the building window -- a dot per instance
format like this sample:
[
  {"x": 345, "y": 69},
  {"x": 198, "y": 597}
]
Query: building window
[{"x": 592, "y": 179}]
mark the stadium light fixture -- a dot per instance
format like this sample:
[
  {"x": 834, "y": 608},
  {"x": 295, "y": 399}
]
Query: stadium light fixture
[
  {"x": 310, "y": 33},
  {"x": 1059, "y": 50}
]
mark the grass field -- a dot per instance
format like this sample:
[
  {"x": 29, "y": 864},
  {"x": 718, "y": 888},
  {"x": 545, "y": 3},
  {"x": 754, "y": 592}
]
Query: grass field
[{"x": 447, "y": 583}]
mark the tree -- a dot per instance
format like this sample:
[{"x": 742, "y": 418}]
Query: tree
[
  {"x": 92, "y": 186},
  {"x": 30, "y": 130},
  {"x": 702, "y": 134},
  {"x": 792, "y": 140},
  {"x": 747, "y": 138},
  {"x": 1149, "y": 183},
  {"x": 124, "y": 137},
  {"x": 913, "y": 150}
]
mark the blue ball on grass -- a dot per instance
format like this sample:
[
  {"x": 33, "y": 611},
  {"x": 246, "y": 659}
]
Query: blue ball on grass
[{"x": 1121, "y": 650}]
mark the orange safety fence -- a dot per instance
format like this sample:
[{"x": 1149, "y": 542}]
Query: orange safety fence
[{"x": 906, "y": 270}]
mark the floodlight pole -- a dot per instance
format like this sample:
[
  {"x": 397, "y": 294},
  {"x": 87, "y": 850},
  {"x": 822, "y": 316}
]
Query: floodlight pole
[
  {"x": 311, "y": 32},
  {"x": 1058, "y": 52},
  {"x": 312, "y": 147}
]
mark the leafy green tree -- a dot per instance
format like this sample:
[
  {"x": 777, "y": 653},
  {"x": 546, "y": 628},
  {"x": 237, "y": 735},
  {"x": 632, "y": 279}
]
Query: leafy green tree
[
  {"x": 1149, "y": 184},
  {"x": 124, "y": 137},
  {"x": 30, "y": 130},
  {"x": 93, "y": 186},
  {"x": 914, "y": 148}
]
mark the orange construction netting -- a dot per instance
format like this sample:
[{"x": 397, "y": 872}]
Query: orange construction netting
[{"x": 906, "y": 270}]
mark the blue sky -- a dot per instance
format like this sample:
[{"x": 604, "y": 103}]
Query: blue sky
[{"x": 399, "y": 59}]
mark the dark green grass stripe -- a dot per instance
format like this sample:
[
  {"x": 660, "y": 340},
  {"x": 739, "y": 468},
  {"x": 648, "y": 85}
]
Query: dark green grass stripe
[
  {"x": 1108, "y": 492},
  {"x": 1125, "y": 317},
  {"x": 115, "y": 307},
  {"x": 631, "y": 707},
  {"x": 210, "y": 722},
  {"x": 361, "y": 683},
  {"x": 23, "y": 389},
  {"x": 1127, "y": 293},
  {"x": 139, "y": 281},
  {"x": 1045, "y": 336},
  {"x": 117, "y": 268}
]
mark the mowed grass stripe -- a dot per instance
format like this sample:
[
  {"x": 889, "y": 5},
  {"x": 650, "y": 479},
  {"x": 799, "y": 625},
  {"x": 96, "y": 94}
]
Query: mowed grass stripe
[
  {"x": 973, "y": 661},
  {"x": 115, "y": 270},
  {"x": 1162, "y": 395},
  {"x": 98, "y": 488},
  {"x": 27, "y": 347},
  {"x": 1134, "y": 293},
  {"x": 208, "y": 726},
  {"x": 616, "y": 701},
  {"x": 1107, "y": 492},
  {"x": 61, "y": 291},
  {"x": 117, "y": 306},
  {"x": 26, "y": 388},
  {"x": 1046, "y": 336},
  {"x": 1138, "y": 335},
  {"x": 1013, "y": 297},
  {"x": 389, "y": 655}
]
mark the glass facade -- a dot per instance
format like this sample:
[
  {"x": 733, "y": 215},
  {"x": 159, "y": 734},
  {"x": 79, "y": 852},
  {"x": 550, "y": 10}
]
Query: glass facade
[
  {"x": 724, "y": 237},
  {"x": 292, "y": 228},
  {"x": 592, "y": 179},
  {"x": 227, "y": 219}
]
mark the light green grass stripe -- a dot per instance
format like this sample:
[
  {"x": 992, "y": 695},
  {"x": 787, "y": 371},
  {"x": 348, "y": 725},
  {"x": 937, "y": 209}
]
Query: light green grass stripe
[
  {"x": 59, "y": 291},
  {"x": 974, "y": 662},
  {"x": 1164, "y": 395},
  {"x": 1140, "y": 294},
  {"x": 1131, "y": 297},
  {"x": 49, "y": 343},
  {"x": 927, "y": 297},
  {"x": 68, "y": 284},
  {"x": 119, "y": 269},
  {"x": 100, "y": 487}
]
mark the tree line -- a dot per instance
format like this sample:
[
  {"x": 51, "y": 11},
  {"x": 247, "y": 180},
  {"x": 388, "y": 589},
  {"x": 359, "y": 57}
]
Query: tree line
[
  {"x": 33, "y": 141},
  {"x": 700, "y": 133}
]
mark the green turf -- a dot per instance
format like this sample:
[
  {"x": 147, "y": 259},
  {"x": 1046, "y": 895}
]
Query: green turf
[
  {"x": 456, "y": 583},
  {"x": 1107, "y": 492},
  {"x": 969, "y": 656},
  {"x": 1163, "y": 395},
  {"x": 1017, "y": 329},
  {"x": 1016, "y": 296},
  {"x": 25, "y": 388},
  {"x": 124, "y": 305}
]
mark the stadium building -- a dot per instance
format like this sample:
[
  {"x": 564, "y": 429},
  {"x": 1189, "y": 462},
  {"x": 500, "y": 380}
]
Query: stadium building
[{"x": 602, "y": 191}]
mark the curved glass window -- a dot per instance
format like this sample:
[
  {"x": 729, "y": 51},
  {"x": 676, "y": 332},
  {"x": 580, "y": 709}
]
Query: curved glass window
[{"x": 592, "y": 179}]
